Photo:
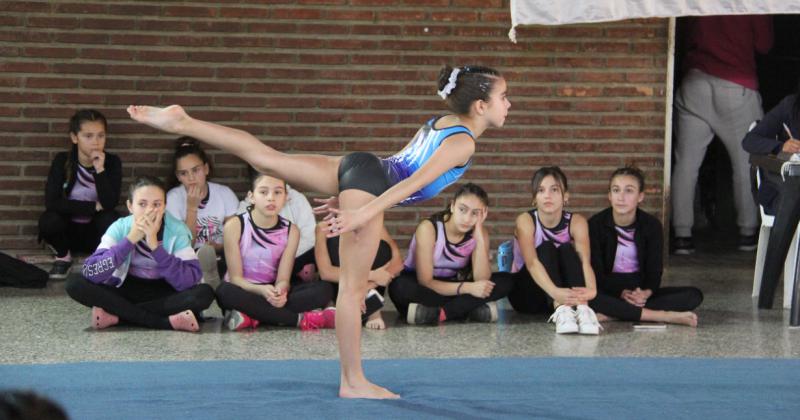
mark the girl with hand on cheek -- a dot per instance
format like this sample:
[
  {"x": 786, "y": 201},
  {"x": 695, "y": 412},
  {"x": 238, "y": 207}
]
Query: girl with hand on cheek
[
  {"x": 83, "y": 187},
  {"x": 203, "y": 205},
  {"x": 144, "y": 271},
  {"x": 447, "y": 273}
]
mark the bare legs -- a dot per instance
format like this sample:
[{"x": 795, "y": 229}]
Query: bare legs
[
  {"x": 356, "y": 252},
  {"x": 670, "y": 317},
  {"x": 306, "y": 172}
]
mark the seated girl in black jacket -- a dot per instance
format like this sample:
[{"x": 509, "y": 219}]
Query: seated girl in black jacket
[
  {"x": 83, "y": 187},
  {"x": 626, "y": 256}
]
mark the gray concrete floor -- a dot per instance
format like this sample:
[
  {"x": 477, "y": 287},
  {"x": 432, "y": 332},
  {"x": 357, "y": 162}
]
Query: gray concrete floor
[{"x": 45, "y": 326}]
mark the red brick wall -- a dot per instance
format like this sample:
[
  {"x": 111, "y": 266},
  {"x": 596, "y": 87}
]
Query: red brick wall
[{"x": 328, "y": 76}]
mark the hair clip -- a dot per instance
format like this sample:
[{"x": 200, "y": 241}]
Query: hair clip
[{"x": 451, "y": 84}]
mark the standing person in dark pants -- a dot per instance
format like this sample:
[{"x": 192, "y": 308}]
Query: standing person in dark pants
[
  {"x": 83, "y": 187},
  {"x": 776, "y": 133},
  {"x": 627, "y": 246},
  {"x": 718, "y": 96}
]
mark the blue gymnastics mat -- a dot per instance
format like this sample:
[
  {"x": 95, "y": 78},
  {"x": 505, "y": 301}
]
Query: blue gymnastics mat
[{"x": 571, "y": 388}]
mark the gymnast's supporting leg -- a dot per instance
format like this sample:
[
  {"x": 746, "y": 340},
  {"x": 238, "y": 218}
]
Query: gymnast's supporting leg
[{"x": 357, "y": 250}]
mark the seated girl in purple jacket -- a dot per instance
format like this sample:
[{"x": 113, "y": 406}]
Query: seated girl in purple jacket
[{"x": 144, "y": 271}]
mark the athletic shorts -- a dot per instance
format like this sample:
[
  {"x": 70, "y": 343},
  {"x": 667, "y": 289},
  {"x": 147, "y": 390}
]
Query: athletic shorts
[{"x": 363, "y": 171}]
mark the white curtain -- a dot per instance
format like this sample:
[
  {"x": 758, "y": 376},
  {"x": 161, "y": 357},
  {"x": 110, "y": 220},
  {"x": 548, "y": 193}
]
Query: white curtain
[{"x": 562, "y": 12}]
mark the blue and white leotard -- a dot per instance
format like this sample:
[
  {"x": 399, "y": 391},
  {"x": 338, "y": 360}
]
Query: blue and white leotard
[{"x": 416, "y": 154}]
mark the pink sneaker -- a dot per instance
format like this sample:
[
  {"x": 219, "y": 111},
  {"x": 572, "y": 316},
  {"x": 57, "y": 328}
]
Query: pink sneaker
[
  {"x": 237, "y": 321},
  {"x": 102, "y": 319},
  {"x": 314, "y": 320},
  {"x": 330, "y": 317}
]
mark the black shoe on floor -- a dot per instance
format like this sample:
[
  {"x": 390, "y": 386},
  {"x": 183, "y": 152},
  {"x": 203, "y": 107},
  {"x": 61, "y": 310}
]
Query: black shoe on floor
[
  {"x": 484, "y": 313},
  {"x": 748, "y": 243},
  {"x": 60, "y": 269},
  {"x": 683, "y": 246},
  {"x": 373, "y": 303},
  {"x": 422, "y": 315}
]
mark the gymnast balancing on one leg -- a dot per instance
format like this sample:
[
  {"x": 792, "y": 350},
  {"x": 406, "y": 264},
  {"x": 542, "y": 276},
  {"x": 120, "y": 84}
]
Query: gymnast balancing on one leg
[{"x": 437, "y": 156}]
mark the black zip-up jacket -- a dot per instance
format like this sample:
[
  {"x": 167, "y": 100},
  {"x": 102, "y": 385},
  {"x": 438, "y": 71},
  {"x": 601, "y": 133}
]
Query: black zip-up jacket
[
  {"x": 108, "y": 184},
  {"x": 649, "y": 247},
  {"x": 767, "y": 137}
]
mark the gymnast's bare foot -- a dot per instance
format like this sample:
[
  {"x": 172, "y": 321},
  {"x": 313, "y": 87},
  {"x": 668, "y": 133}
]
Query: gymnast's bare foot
[
  {"x": 366, "y": 390},
  {"x": 169, "y": 119}
]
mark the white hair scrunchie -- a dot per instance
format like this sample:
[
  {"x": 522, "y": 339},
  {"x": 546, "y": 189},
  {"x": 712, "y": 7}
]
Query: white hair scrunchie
[{"x": 451, "y": 83}]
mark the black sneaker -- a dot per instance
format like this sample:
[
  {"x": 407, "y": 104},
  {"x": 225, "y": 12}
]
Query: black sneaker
[
  {"x": 683, "y": 246},
  {"x": 422, "y": 315},
  {"x": 60, "y": 269},
  {"x": 373, "y": 303},
  {"x": 484, "y": 313},
  {"x": 748, "y": 242}
]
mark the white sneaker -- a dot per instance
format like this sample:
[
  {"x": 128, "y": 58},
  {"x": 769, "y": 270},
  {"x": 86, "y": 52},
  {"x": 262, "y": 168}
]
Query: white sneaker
[
  {"x": 587, "y": 321},
  {"x": 564, "y": 318}
]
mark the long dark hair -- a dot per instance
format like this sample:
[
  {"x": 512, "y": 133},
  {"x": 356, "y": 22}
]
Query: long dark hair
[
  {"x": 185, "y": 146},
  {"x": 472, "y": 83},
  {"x": 75, "y": 123},
  {"x": 466, "y": 189},
  {"x": 545, "y": 171}
]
